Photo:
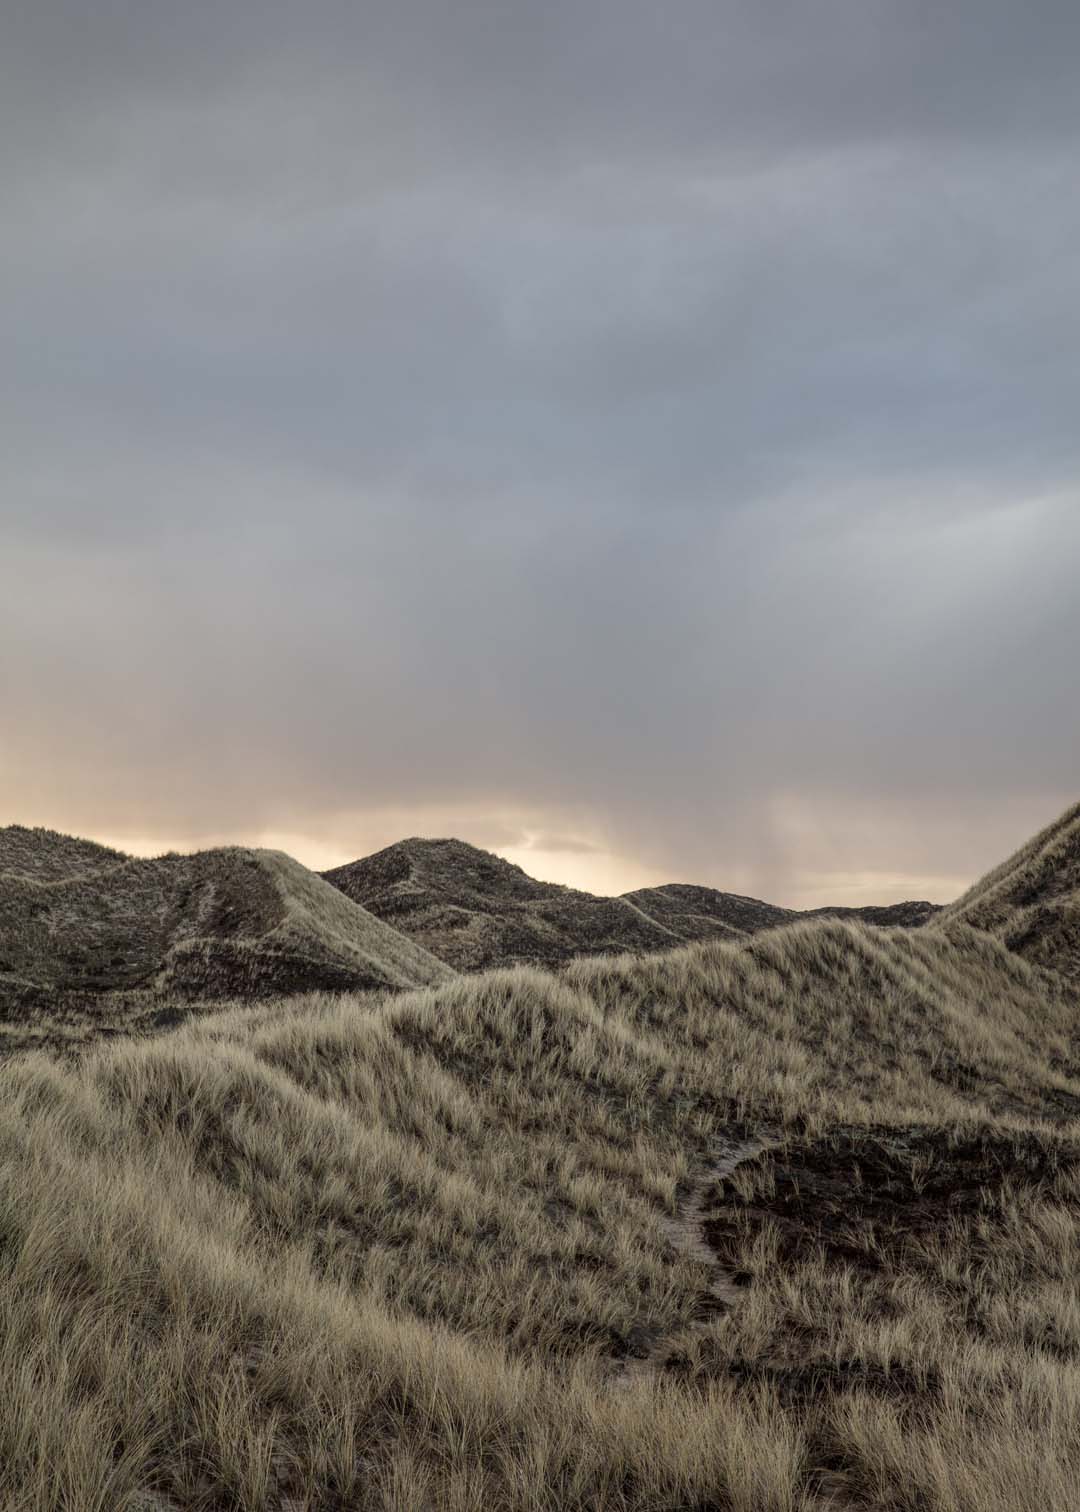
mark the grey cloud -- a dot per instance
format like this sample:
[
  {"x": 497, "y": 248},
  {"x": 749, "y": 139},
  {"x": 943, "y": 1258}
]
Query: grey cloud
[
  {"x": 564, "y": 81},
  {"x": 567, "y": 845},
  {"x": 651, "y": 422}
]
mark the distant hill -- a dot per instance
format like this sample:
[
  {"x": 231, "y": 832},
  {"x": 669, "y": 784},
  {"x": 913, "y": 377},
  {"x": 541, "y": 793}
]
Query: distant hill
[
  {"x": 1032, "y": 901},
  {"x": 78, "y": 920},
  {"x": 703, "y": 913},
  {"x": 907, "y": 915},
  {"x": 475, "y": 910}
]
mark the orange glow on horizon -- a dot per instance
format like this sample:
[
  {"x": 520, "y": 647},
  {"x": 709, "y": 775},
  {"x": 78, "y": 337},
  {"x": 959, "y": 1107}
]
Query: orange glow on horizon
[{"x": 591, "y": 870}]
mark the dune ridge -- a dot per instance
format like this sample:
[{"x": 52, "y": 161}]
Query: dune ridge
[{"x": 474, "y": 910}]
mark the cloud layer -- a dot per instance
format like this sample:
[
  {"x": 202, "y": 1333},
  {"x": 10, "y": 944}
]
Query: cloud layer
[{"x": 639, "y": 435}]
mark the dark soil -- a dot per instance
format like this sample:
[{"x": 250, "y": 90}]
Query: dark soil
[
  {"x": 862, "y": 1195},
  {"x": 799, "y": 1385}
]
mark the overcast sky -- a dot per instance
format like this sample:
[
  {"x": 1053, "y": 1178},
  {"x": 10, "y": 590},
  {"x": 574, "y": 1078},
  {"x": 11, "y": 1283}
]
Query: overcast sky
[{"x": 637, "y": 437}]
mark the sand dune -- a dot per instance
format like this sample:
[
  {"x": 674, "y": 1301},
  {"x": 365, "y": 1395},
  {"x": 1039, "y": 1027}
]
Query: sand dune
[
  {"x": 402, "y": 1250},
  {"x": 475, "y": 910},
  {"x": 78, "y": 922}
]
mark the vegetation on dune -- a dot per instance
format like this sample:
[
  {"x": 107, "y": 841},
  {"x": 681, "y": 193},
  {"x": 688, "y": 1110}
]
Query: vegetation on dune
[
  {"x": 773, "y": 1223},
  {"x": 129, "y": 939},
  {"x": 477, "y": 911},
  {"x": 1047, "y": 866},
  {"x": 342, "y": 1252},
  {"x": 704, "y": 913},
  {"x": 43, "y": 855},
  {"x": 95, "y": 944},
  {"x": 1032, "y": 901}
]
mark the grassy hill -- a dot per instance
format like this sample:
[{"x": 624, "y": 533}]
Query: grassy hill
[
  {"x": 87, "y": 931},
  {"x": 770, "y": 1225},
  {"x": 475, "y": 910},
  {"x": 1032, "y": 901},
  {"x": 705, "y": 913},
  {"x": 42, "y": 855}
]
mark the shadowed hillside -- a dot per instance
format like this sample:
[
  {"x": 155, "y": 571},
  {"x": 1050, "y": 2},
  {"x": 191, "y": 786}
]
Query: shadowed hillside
[
  {"x": 216, "y": 924},
  {"x": 907, "y": 915},
  {"x": 475, "y": 910},
  {"x": 84, "y": 928},
  {"x": 703, "y": 913}
]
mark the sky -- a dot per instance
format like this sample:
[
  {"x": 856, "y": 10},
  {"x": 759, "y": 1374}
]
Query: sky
[{"x": 640, "y": 439}]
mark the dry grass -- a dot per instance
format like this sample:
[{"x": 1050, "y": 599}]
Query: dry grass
[
  {"x": 1047, "y": 866},
  {"x": 477, "y": 911},
  {"x": 1032, "y": 901},
  {"x": 385, "y": 1253},
  {"x": 44, "y": 855},
  {"x": 85, "y": 923}
]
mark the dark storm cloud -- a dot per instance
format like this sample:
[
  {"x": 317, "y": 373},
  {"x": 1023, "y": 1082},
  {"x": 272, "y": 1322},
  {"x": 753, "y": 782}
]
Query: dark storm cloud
[
  {"x": 658, "y": 421},
  {"x": 565, "y": 80}
]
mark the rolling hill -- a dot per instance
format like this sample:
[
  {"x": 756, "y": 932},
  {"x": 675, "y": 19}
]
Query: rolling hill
[
  {"x": 80, "y": 924},
  {"x": 701, "y": 913},
  {"x": 774, "y": 1226},
  {"x": 475, "y": 910},
  {"x": 786, "y": 1222}
]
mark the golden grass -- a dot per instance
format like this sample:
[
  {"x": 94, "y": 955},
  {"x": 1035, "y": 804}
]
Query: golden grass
[
  {"x": 348, "y": 1252},
  {"x": 1032, "y": 901},
  {"x": 1047, "y": 865}
]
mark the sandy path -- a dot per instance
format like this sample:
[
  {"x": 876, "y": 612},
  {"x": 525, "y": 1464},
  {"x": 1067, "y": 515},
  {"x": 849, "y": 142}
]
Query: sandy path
[
  {"x": 830, "y": 1492},
  {"x": 686, "y": 1234}
]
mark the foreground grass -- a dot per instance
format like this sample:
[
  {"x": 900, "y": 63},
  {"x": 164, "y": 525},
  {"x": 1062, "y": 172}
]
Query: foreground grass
[{"x": 343, "y": 1252}]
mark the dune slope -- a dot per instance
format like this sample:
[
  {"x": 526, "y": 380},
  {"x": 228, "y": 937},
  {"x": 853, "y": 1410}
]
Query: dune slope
[
  {"x": 43, "y": 855},
  {"x": 475, "y": 910},
  {"x": 1032, "y": 901},
  {"x": 319, "y": 1254},
  {"x": 220, "y": 923}
]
